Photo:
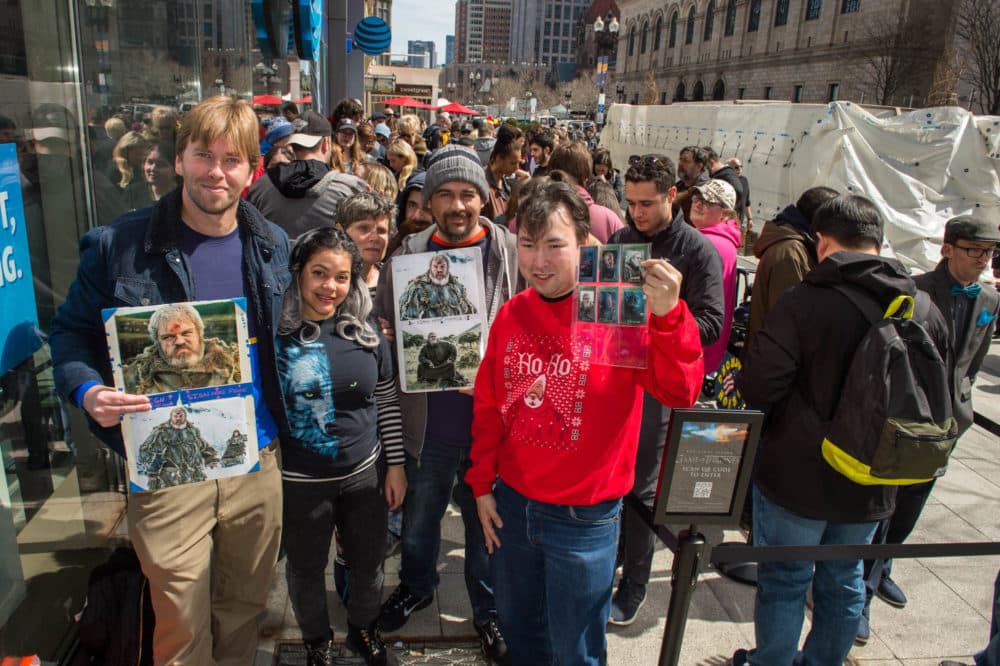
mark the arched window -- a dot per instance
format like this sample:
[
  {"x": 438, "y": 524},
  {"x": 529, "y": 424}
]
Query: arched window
[
  {"x": 753, "y": 22},
  {"x": 709, "y": 21},
  {"x": 730, "y": 18},
  {"x": 631, "y": 41},
  {"x": 680, "y": 92},
  {"x": 656, "y": 33},
  {"x": 673, "y": 31},
  {"x": 781, "y": 13},
  {"x": 719, "y": 90},
  {"x": 689, "y": 32},
  {"x": 814, "y": 9},
  {"x": 699, "y": 92},
  {"x": 645, "y": 34}
]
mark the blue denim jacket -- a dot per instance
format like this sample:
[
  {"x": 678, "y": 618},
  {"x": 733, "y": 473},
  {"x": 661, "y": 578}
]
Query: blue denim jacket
[{"x": 137, "y": 261}]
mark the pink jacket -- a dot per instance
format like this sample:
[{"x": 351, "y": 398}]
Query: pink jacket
[{"x": 726, "y": 238}]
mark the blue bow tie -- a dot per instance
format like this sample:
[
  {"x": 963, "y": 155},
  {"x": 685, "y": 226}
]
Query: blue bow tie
[{"x": 970, "y": 292}]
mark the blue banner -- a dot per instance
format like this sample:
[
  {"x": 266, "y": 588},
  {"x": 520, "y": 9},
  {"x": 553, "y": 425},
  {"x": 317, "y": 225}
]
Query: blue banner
[{"x": 19, "y": 334}]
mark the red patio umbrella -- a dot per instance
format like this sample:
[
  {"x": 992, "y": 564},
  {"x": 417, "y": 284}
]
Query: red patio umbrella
[
  {"x": 266, "y": 100},
  {"x": 305, "y": 100},
  {"x": 407, "y": 101},
  {"x": 459, "y": 110}
]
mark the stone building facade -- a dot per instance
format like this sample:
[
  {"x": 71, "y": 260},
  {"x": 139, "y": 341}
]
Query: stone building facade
[{"x": 890, "y": 52}]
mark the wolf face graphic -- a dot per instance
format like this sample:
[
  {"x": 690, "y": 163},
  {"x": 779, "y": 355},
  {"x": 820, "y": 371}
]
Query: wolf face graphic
[{"x": 305, "y": 382}]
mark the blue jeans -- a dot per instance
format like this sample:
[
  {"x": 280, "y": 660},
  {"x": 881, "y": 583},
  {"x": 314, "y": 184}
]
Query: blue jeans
[
  {"x": 990, "y": 656},
  {"x": 838, "y": 589},
  {"x": 438, "y": 476},
  {"x": 552, "y": 576}
]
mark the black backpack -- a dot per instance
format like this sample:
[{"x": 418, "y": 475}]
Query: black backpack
[
  {"x": 894, "y": 423},
  {"x": 116, "y": 625}
]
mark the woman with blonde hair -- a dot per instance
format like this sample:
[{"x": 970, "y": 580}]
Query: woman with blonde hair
[
  {"x": 115, "y": 127},
  {"x": 381, "y": 180},
  {"x": 402, "y": 160},
  {"x": 408, "y": 127},
  {"x": 128, "y": 154}
]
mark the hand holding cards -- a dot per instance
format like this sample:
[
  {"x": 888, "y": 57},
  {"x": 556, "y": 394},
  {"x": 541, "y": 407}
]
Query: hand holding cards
[{"x": 662, "y": 286}]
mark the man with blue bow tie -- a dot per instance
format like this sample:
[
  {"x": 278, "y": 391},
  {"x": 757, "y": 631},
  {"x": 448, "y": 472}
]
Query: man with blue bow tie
[{"x": 970, "y": 309}]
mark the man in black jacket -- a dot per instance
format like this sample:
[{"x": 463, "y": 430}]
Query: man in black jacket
[
  {"x": 970, "y": 308},
  {"x": 795, "y": 370},
  {"x": 722, "y": 171},
  {"x": 650, "y": 192}
]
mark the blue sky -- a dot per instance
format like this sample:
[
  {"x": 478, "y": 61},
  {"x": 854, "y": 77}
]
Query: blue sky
[{"x": 422, "y": 19}]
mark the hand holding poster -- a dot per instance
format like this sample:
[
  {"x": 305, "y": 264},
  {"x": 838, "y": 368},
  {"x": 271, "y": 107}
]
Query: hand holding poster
[
  {"x": 440, "y": 313},
  {"x": 193, "y": 361}
]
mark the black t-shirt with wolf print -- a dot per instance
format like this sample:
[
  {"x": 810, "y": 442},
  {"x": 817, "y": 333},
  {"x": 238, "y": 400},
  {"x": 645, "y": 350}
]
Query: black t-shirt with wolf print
[{"x": 341, "y": 401}]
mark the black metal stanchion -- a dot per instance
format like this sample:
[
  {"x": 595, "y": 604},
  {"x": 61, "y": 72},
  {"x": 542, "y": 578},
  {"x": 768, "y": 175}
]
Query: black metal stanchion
[{"x": 687, "y": 564}]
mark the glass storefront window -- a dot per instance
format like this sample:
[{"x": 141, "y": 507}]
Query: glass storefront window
[{"x": 90, "y": 93}]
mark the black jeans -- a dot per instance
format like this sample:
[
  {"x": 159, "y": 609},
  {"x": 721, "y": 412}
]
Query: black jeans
[
  {"x": 638, "y": 540},
  {"x": 910, "y": 502},
  {"x": 356, "y": 506}
]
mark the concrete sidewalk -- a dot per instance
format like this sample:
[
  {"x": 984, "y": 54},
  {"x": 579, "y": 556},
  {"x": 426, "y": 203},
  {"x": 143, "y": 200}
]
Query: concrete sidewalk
[{"x": 948, "y": 616}]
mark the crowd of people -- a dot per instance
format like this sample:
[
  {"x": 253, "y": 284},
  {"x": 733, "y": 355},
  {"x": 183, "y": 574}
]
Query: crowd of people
[{"x": 303, "y": 216}]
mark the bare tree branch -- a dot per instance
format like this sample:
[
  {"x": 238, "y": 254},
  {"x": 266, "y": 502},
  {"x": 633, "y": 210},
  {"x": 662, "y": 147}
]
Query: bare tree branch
[
  {"x": 891, "y": 58},
  {"x": 979, "y": 27}
]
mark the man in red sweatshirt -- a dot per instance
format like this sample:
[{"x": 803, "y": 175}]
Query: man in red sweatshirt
[{"x": 554, "y": 437}]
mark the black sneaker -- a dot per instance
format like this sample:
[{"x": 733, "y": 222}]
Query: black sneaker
[
  {"x": 626, "y": 602},
  {"x": 368, "y": 644},
  {"x": 320, "y": 653},
  {"x": 397, "y": 608},
  {"x": 492, "y": 643}
]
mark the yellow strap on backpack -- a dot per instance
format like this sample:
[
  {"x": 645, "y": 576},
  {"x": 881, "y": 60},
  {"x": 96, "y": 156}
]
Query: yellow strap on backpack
[{"x": 897, "y": 304}]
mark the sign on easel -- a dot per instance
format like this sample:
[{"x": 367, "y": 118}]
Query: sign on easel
[{"x": 706, "y": 466}]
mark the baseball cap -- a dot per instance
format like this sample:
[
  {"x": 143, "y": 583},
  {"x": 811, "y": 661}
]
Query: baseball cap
[
  {"x": 718, "y": 192},
  {"x": 467, "y": 127},
  {"x": 346, "y": 124},
  {"x": 278, "y": 130},
  {"x": 309, "y": 129},
  {"x": 383, "y": 130},
  {"x": 967, "y": 227},
  {"x": 378, "y": 117}
]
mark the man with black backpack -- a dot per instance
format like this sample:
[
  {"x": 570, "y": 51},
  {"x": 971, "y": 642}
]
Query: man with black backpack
[
  {"x": 970, "y": 309},
  {"x": 800, "y": 369}
]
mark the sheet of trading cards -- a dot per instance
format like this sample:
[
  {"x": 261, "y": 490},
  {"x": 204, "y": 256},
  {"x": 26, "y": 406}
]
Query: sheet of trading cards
[
  {"x": 193, "y": 362},
  {"x": 610, "y": 315},
  {"x": 441, "y": 323}
]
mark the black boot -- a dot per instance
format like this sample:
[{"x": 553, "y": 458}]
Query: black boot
[
  {"x": 368, "y": 643},
  {"x": 320, "y": 652}
]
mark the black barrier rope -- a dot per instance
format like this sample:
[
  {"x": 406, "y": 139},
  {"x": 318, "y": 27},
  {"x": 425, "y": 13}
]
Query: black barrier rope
[{"x": 691, "y": 551}]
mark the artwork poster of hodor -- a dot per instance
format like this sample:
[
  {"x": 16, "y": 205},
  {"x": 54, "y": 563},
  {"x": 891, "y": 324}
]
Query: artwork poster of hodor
[{"x": 193, "y": 361}]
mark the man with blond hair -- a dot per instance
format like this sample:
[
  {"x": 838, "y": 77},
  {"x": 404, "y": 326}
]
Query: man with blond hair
[{"x": 207, "y": 548}]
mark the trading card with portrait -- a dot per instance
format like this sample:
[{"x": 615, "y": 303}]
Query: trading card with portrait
[
  {"x": 633, "y": 257},
  {"x": 633, "y": 301},
  {"x": 179, "y": 346},
  {"x": 588, "y": 263},
  {"x": 607, "y": 305},
  {"x": 609, "y": 256},
  {"x": 586, "y": 306}
]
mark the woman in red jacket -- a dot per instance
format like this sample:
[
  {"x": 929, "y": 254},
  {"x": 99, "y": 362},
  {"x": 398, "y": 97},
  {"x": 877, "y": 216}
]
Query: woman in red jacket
[{"x": 554, "y": 436}]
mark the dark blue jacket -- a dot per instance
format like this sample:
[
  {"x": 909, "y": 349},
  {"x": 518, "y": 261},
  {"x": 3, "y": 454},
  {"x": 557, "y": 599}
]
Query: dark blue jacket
[{"x": 137, "y": 261}]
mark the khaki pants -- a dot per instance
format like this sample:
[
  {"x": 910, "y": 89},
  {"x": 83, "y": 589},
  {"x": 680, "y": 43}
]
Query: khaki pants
[{"x": 209, "y": 550}]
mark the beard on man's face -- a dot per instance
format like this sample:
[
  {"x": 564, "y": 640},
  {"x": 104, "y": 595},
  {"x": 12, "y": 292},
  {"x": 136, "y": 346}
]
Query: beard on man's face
[{"x": 183, "y": 356}]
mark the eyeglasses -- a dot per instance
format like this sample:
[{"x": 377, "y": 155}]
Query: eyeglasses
[
  {"x": 655, "y": 161},
  {"x": 979, "y": 252}
]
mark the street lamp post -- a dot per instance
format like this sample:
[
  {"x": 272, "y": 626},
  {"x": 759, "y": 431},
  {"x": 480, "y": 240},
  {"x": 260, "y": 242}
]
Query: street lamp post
[
  {"x": 474, "y": 79},
  {"x": 605, "y": 39},
  {"x": 620, "y": 91}
]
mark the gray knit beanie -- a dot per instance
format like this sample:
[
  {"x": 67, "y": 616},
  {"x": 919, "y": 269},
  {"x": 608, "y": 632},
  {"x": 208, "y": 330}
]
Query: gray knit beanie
[{"x": 455, "y": 163}]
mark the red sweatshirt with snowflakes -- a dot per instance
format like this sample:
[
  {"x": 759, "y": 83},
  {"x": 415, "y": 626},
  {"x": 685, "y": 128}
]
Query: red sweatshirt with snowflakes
[{"x": 558, "y": 428}]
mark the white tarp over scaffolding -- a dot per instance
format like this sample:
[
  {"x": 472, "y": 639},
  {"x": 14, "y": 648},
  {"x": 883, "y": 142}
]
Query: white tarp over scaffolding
[{"x": 921, "y": 168}]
